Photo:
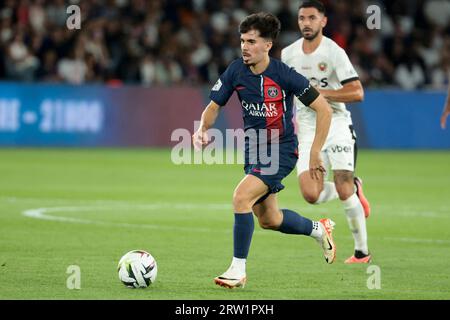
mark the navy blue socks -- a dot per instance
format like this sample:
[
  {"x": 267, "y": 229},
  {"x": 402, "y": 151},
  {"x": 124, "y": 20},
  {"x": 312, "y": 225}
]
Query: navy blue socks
[
  {"x": 293, "y": 223},
  {"x": 242, "y": 234}
]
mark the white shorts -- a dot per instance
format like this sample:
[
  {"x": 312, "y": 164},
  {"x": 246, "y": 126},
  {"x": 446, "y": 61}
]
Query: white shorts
[{"x": 338, "y": 152}]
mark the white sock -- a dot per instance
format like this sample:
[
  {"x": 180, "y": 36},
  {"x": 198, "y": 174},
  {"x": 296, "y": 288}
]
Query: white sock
[
  {"x": 357, "y": 222},
  {"x": 238, "y": 266},
  {"x": 317, "y": 231},
  {"x": 328, "y": 193}
]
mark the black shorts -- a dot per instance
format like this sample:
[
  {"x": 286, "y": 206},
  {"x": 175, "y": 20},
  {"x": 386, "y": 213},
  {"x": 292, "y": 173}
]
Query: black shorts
[{"x": 270, "y": 173}]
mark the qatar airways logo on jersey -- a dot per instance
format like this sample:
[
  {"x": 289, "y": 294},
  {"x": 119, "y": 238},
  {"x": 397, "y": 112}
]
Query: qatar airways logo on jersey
[{"x": 263, "y": 110}]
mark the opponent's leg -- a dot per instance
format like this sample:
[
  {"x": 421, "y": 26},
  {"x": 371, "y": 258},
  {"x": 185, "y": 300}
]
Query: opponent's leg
[
  {"x": 362, "y": 198},
  {"x": 358, "y": 181},
  {"x": 249, "y": 190},
  {"x": 313, "y": 191},
  {"x": 287, "y": 221},
  {"x": 355, "y": 215},
  {"x": 316, "y": 191}
]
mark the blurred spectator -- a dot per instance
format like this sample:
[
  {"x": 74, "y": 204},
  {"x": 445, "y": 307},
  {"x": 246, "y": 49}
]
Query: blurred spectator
[
  {"x": 382, "y": 71},
  {"x": 56, "y": 13},
  {"x": 73, "y": 68},
  {"x": 438, "y": 12},
  {"x": 167, "y": 42},
  {"x": 167, "y": 71},
  {"x": 48, "y": 69},
  {"x": 21, "y": 64},
  {"x": 37, "y": 16},
  {"x": 409, "y": 74},
  {"x": 148, "y": 70},
  {"x": 441, "y": 70}
]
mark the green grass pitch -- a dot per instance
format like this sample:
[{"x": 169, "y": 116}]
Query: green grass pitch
[{"x": 102, "y": 203}]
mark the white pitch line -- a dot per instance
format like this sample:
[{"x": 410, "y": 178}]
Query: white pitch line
[
  {"x": 440, "y": 212},
  {"x": 44, "y": 214}
]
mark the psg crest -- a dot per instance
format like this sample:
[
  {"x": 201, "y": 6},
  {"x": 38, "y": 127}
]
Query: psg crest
[{"x": 272, "y": 92}]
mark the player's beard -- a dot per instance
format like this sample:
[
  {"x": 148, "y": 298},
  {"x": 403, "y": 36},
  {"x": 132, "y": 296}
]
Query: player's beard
[{"x": 312, "y": 36}]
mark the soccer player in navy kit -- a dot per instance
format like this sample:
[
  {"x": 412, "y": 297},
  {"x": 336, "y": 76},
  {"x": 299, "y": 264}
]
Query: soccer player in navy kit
[{"x": 265, "y": 88}]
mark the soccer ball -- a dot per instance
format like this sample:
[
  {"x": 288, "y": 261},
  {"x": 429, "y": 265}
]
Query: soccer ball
[{"x": 137, "y": 269}]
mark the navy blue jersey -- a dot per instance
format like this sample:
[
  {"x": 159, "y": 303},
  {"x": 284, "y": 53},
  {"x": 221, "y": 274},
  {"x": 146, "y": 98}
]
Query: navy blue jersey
[{"x": 266, "y": 98}]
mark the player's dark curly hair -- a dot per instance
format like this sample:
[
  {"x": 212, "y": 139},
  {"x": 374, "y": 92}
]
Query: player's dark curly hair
[
  {"x": 313, "y": 4},
  {"x": 267, "y": 24}
]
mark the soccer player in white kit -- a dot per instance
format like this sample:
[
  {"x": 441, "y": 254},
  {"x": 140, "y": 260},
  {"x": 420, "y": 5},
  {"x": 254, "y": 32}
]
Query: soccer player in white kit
[{"x": 329, "y": 69}]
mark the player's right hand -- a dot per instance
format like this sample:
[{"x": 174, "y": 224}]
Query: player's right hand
[
  {"x": 316, "y": 167},
  {"x": 199, "y": 139}
]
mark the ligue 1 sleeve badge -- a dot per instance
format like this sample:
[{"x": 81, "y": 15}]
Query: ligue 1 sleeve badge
[{"x": 323, "y": 66}]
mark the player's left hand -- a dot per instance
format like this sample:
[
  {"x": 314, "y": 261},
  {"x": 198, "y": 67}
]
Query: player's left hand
[{"x": 316, "y": 167}]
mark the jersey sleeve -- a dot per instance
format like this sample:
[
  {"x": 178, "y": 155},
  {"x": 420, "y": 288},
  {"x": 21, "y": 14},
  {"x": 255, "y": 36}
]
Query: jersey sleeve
[
  {"x": 301, "y": 87},
  {"x": 344, "y": 69},
  {"x": 283, "y": 55},
  {"x": 223, "y": 88}
]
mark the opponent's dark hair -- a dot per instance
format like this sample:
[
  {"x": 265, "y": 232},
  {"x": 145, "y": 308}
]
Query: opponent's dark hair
[
  {"x": 313, "y": 4},
  {"x": 267, "y": 24}
]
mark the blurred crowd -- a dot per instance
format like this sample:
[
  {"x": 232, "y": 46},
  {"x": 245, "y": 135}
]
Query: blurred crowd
[{"x": 166, "y": 42}]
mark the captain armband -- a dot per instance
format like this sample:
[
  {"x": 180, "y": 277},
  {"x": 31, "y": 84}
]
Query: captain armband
[{"x": 308, "y": 95}]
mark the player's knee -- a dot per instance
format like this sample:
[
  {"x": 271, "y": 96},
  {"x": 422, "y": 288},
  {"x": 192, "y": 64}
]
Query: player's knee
[
  {"x": 269, "y": 224},
  {"x": 345, "y": 190},
  {"x": 309, "y": 190},
  {"x": 241, "y": 202},
  {"x": 343, "y": 181},
  {"x": 310, "y": 197}
]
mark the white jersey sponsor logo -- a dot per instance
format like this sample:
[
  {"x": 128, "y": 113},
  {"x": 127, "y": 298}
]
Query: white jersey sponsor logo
[
  {"x": 325, "y": 68},
  {"x": 262, "y": 110}
]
